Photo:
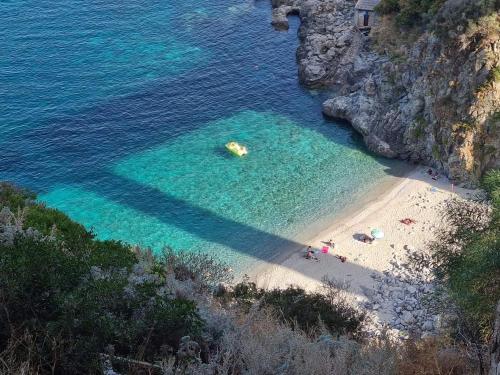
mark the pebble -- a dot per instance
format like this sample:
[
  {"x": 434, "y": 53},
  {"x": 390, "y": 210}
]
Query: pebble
[{"x": 403, "y": 291}]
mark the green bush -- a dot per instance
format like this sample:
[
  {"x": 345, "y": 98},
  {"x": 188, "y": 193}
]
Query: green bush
[
  {"x": 14, "y": 197},
  {"x": 74, "y": 297},
  {"x": 409, "y": 13},
  {"x": 491, "y": 183},
  {"x": 467, "y": 256},
  {"x": 474, "y": 279},
  {"x": 306, "y": 311},
  {"x": 310, "y": 310},
  {"x": 388, "y": 7}
]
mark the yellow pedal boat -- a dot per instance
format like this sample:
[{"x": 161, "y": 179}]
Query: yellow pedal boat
[{"x": 236, "y": 149}]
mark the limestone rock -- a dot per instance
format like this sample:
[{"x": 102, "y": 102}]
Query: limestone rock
[{"x": 423, "y": 107}]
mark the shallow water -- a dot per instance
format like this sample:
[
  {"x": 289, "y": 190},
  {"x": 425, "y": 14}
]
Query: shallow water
[{"x": 118, "y": 114}]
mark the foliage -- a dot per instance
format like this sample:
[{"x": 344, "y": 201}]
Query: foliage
[
  {"x": 85, "y": 295},
  {"x": 203, "y": 269},
  {"x": 409, "y": 13},
  {"x": 493, "y": 77},
  {"x": 491, "y": 182},
  {"x": 473, "y": 16},
  {"x": 419, "y": 127},
  {"x": 434, "y": 356},
  {"x": 44, "y": 220},
  {"x": 307, "y": 311},
  {"x": 14, "y": 197},
  {"x": 442, "y": 16},
  {"x": 467, "y": 256},
  {"x": 73, "y": 304}
]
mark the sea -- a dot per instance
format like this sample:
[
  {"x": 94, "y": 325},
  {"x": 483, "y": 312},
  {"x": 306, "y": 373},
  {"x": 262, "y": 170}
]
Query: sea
[{"x": 117, "y": 113}]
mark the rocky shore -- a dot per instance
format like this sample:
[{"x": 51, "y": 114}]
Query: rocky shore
[
  {"x": 425, "y": 102},
  {"x": 391, "y": 279},
  {"x": 407, "y": 293}
]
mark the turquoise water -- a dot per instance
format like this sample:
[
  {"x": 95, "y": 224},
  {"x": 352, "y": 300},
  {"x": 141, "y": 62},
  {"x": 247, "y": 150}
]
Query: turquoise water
[{"x": 118, "y": 114}]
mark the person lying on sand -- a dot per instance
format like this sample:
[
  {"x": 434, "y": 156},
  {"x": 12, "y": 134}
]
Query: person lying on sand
[
  {"x": 342, "y": 258},
  {"x": 367, "y": 239},
  {"x": 310, "y": 254},
  {"x": 407, "y": 221}
]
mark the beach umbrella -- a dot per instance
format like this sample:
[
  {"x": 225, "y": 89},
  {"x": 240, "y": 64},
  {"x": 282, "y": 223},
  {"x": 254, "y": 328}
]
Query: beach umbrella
[{"x": 377, "y": 234}]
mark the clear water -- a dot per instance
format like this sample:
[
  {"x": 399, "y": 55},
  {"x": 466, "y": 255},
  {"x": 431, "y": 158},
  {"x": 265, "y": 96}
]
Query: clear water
[{"x": 117, "y": 113}]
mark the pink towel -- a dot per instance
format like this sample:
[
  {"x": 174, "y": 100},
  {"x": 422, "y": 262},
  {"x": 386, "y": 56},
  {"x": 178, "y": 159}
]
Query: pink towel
[{"x": 324, "y": 249}]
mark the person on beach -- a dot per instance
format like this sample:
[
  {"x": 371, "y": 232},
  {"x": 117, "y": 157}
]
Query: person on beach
[
  {"x": 341, "y": 258},
  {"x": 368, "y": 239},
  {"x": 331, "y": 243},
  {"x": 408, "y": 221},
  {"x": 310, "y": 254}
]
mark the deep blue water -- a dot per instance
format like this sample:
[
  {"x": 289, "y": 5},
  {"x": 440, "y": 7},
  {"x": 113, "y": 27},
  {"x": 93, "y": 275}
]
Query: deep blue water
[{"x": 117, "y": 113}]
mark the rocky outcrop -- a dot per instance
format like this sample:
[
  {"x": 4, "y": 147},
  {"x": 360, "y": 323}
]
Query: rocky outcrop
[{"x": 436, "y": 103}]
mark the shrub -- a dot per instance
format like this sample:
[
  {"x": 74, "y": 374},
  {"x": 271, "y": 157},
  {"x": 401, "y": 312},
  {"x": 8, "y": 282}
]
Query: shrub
[
  {"x": 433, "y": 356},
  {"x": 306, "y": 311},
  {"x": 70, "y": 297},
  {"x": 201, "y": 268},
  {"x": 491, "y": 183},
  {"x": 467, "y": 257},
  {"x": 14, "y": 197},
  {"x": 409, "y": 13},
  {"x": 438, "y": 15}
]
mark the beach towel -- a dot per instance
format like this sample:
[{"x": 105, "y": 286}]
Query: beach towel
[{"x": 324, "y": 249}]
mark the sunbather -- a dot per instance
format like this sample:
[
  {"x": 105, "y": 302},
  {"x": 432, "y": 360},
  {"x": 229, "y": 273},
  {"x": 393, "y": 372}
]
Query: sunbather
[
  {"x": 408, "y": 221},
  {"x": 310, "y": 254},
  {"x": 367, "y": 239},
  {"x": 331, "y": 243}
]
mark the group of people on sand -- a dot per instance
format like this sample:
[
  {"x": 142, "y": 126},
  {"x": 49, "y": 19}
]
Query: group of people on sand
[{"x": 311, "y": 254}]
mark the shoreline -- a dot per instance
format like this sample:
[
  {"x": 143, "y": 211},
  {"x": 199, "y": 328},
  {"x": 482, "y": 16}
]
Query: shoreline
[
  {"x": 336, "y": 222},
  {"x": 380, "y": 278}
]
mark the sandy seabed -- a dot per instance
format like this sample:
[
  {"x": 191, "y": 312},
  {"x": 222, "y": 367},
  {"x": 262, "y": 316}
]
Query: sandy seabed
[{"x": 416, "y": 196}]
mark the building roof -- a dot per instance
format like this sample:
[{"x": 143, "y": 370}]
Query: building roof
[{"x": 367, "y": 4}]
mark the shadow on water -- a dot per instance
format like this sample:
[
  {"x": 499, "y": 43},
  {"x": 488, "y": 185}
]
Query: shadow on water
[
  {"x": 212, "y": 227},
  {"x": 170, "y": 210},
  {"x": 78, "y": 149}
]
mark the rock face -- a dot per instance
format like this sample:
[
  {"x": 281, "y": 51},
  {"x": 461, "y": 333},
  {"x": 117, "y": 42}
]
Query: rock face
[{"x": 435, "y": 103}]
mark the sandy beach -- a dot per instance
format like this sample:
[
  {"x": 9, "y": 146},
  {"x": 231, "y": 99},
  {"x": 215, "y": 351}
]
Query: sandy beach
[{"x": 416, "y": 196}]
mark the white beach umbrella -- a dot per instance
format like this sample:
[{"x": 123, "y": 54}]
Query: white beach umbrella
[{"x": 377, "y": 234}]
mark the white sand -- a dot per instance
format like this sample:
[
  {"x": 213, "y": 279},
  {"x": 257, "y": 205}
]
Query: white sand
[{"x": 411, "y": 197}]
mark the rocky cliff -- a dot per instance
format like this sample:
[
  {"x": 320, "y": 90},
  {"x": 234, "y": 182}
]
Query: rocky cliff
[{"x": 426, "y": 96}]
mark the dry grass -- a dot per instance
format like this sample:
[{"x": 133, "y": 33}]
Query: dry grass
[{"x": 433, "y": 357}]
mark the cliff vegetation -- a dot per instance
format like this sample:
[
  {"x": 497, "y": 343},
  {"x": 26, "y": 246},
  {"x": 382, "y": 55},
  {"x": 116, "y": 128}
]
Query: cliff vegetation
[
  {"x": 422, "y": 86},
  {"x": 73, "y": 304}
]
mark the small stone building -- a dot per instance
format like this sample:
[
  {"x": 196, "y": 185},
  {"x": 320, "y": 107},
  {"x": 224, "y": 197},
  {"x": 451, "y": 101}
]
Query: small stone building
[{"x": 365, "y": 16}]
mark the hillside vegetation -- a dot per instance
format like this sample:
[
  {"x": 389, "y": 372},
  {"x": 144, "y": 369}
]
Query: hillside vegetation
[
  {"x": 436, "y": 13},
  {"x": 72, "y": 304}
]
